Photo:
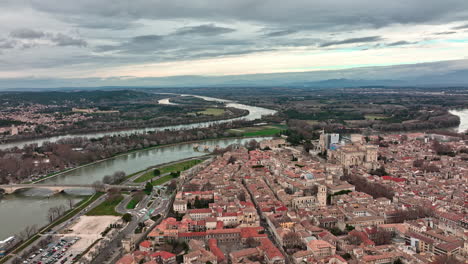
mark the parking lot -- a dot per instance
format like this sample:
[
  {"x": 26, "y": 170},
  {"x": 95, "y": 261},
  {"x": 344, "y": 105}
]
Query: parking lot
[{"x": 56, "y": 252}]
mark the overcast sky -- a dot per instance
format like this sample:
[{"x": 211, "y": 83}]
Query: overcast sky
[{"x": 120, "y": 39}]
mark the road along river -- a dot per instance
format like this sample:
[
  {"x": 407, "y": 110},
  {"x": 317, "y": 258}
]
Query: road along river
[{"x": 29, "y": 207}]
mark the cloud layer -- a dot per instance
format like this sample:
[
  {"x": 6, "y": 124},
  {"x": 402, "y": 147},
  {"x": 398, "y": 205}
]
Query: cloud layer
[{"x": 107, "y": 38}]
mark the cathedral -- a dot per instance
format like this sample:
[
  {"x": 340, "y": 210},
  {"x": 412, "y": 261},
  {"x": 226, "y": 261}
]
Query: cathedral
[
  {"x": 319, "y": 200},
  {"x": 354, "y": 155}
]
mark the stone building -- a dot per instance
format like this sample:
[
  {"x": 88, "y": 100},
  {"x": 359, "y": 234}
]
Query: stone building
[
  {"x": 319, "y": 200},
  {"x": 355, "y": 155}
]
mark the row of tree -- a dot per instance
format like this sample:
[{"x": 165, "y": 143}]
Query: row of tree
[
  {"x": 374, "y": 189},
  {"x": 17, "y": 165}
]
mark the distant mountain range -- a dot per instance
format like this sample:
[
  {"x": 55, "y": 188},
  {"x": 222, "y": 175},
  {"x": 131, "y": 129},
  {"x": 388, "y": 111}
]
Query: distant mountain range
[{"x": 448, "y": 73}]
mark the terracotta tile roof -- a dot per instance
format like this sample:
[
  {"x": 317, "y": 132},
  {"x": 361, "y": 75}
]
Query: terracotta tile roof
[
  {"x": 199, "y": 211},
  {"x": 224, "y": 231},
  {"x": 244, "y": 252},
  {"x": 247, "y": 232},
  {"x": 213, "y": 245},
  {"x": 127, "y": 259},
  {"x": 192, "y": 234},
  {"x": 270, "y": 250},
  {"x": 163, "y": 255},
  {"x": 146, "y": 244}
]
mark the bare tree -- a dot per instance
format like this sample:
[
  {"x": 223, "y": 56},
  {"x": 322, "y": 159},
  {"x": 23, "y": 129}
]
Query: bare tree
[
  {"x": 45, "y": 241},
  {"x": 55, "y": 212},
  {"x": 382, "y": 237},
  {"x": 118, "y": 176},
  {"x": 107, "y": 179},
  {"x": 411, "y": 214},
  {"x": 98, "y": 186},
  {"x": 28, "y": 232},
  {"x": 232, "y": 160},
  {"x": 190, "y": 187},
  {"x": 354, "y": 240},
  {"x": 252, "y": 145},
  {"x": 51, "y": 215},
  {"x": 70, "y": 203},
  {"x": 172, "y": 185},
  {"x": 241, "y": 197},
  {"x": 31, "y": 230},
  {"x": 293, "y": 240},
  {"x": 208, "y": 187},
  {"x": 444, "y": 259},
  {"x": 61, "y": 210},
  {"x": 251, "y": 242},
  {"x": 311, "y": 191}
]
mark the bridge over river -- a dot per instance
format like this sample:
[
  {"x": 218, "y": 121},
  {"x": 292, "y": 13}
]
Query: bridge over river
[{"x": 57, "y": 188}]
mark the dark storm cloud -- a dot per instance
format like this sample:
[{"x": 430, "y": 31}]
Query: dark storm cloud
[
  {"x": 208, "y": 24},
  {"x": 58, "y": 39},
  {"x": 461, "y": 27},
  {"x": 7, "y": 44},
  {"x": 204, "y": 30},
  {"x": 400, "y": 43},
  {"x": 26, "y": 33},
  {"x": 351, "y": 41},
  {"x": 64, "y": 40},
  {"x": 225, "y": 53},
  {"x": 296, "y": 42},
  {"x": 445, "y": 33},
  {"x": 105, "y": 48},
  {"x": 175, "y": 41},
  {"x": 281, "y": 33},
  {"x": 137, "y": 44},
  {"x": 320, "y": 15},
  {"x": 146, "y": 38}
]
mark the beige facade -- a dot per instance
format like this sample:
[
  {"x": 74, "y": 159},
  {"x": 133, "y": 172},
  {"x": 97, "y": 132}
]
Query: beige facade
[
  {"x": 180, "y": 206},
  {"x": 320, "y": 200},
  {"x": 355, "y": 155}
]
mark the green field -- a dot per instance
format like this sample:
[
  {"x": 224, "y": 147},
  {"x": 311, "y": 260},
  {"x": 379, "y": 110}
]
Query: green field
[
  {"x": 107, "y": 207},
  {"x": 375, "y": 117},
  {"x": 269, "y": 130},
  {"x": 212, "y": 111},
  {"x": 133, "y": 203},
  {"x": 181, "y": 166},
  {"x": 312, "y": 122},
  {"x": 162, "y": 180}
]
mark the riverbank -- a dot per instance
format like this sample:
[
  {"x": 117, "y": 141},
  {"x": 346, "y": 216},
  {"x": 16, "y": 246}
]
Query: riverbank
[
  {"x": 215, "y": 118},
  {"x": 463, "y": 115},
  {"x": 69, "y": 214},
  {"x": 130, "y": 152},
  {"x": 254, "y": 113},
  {"x": 30, "y": 206}
]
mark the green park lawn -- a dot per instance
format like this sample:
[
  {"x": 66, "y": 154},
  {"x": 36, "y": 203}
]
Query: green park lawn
[
  {"x": 259, "y": 131},
  {"x": 107, "y": 207},
  {"x": 162, "y": 180},
  {"x": 133, "y": 203},
  {"x": 181, "y": 166}
]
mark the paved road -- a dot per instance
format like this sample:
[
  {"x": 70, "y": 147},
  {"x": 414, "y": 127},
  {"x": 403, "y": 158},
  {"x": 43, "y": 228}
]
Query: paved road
[
  {"x": 59, "y": 227},
  {"x": 113, "y": 249},
  {"x": 159, "y": 205}
]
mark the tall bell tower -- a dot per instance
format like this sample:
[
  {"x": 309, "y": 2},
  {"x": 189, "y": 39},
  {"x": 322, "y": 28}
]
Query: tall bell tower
[{"x": 322, "y": 195}]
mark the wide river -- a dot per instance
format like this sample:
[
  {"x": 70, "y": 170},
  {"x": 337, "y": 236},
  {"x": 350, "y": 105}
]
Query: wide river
[
  {"x": 463, "y": 114},
  {"x": 30, "y": 207},
  {"x": 254, "y": 113}
]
